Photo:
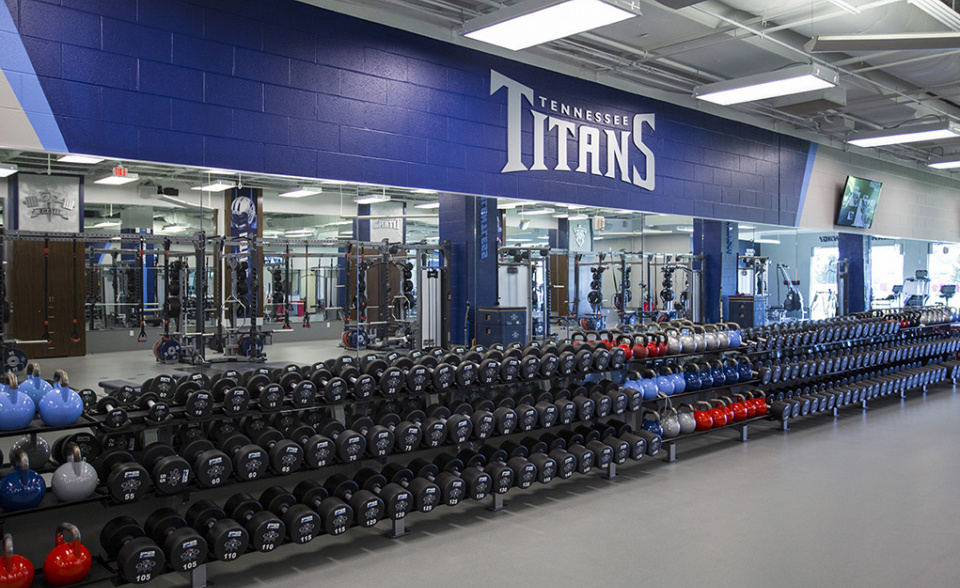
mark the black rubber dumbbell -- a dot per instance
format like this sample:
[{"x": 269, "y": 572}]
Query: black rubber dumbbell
[
  {"x": 157, "y": 410},
  {"x": 546, "y": 466},
  {"x": 478, "y": 482},
  {"x": 407, "y": 435},
  {"x": 170, "y": 472},
  {"x": 350, "y": 445},
  {"x": 589, "y": 406},
  {"x": 249, "y": 460},
  {"x": 183, "y": 547},
  {"x": 264, "y": 529},
  {"x": 453, "y": 488},
  {"x": 114, "y": 416},
  {"x": 330, "y": 389},
  {"x": 501, "y": 476},
  {"x": 285, "y": 456},
  {"x": 459, "y": 427},
  {"x": 359, "y": 386},
  {"x": 380, "y": 439},
  {"x": 126, "y": 480},
  {"x": 619, "y": 401},
  {"x": 227, "y": 390},
  {"x": 367, "y": 507},
  {"x": 481, "y": 416},
  {"x": 433, "y": 431},
  {"x": 301, "y": 392},
  {"x": 211, "y": 467},
  {"x": 426, "y": 495},
  {"x": 626, "y": 432},
  {"x": 625, "y": 444},
  {"x": 226, "y": 538},
  {"x": 527, "y": 415},
  {"x": 524, "y": 471},
  {"x": 397, "y": 500},
  {"x": 335, "y": 514},
  {"x": 301, "y": 522},
  {"x": 139, "y": 559},
  {"x": 605, "y": 454},
  {"x": 318, "y": 450},
  {"x": 573, "y": 444},
  {"x": 269, "y": 394},
  {"x": 197, "y": 404},
  {"x": 390, "y": 380}
]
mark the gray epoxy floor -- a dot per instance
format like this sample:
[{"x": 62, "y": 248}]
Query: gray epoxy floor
[{"x": 867, "y": 499}]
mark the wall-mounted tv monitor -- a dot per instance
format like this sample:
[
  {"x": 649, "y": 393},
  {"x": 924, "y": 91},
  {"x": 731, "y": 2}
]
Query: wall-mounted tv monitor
[{"x": 859, "y": 203}]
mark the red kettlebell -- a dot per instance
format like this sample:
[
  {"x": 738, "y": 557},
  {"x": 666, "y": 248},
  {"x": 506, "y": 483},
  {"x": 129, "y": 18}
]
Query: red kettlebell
[
  {"x": 627, "y": 351},
  {"x": 739, "y": 409},
  {"x": 653, "y": 345},
  {"x": 640, "y": 350},
  {"x": 662, "y": 343},
  {"x": 748, "y": 402},
  {"x": 704, "y": 420},
  {"x": 16, "y": 571},
  {"x": 607, "y": 338},
  {"x": 68, "y": 562},
  {"x": 718, "y": 415},
  {"x": 761, "y": 403}
]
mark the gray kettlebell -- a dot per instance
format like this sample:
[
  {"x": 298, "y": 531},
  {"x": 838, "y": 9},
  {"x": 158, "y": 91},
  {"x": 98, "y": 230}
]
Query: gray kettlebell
[
  {"x": 674, "y": 342},
  {"x": 688, "y": 423},
  {"x": 76, "y": 479},
  {"x": 669, "y": 422}
]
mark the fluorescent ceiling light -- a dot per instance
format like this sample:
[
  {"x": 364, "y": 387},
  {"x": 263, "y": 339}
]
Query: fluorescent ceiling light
[
  {"x": 427, "y": 205},
  {"x": 746, "y": 227},
  {"x": 215, "y": 186},
  {"x": 946, "y": 162},
  {"x": 176, "y": 200},
  {"x": 301, "y": 192},
  {"x": 940, "y": 11},
  {"x": 532, "y": 22},
  {"x": 578, "y": 217},
  {"x": 7, "y": 169},
  {"x": 345, "y": 234},
  {"x": 218, "y": 171},
  {"x": 536, "y": 211},
  {"x": 524, "y": 225},
  {"x": 299, "y": 232},
  {"x": 656, "y": 232},
  {"x": 334, "y": 182},
  {"x": 372, "y": 199},
  {"x": 789, "y": 80},
  {"x": 907, "y": 134},
  {"x": 685, "y": 229},
  {"x": 520, "y": 240},
  {"x": 84, "y": 159},
  {"x": 846, "y": 6},
  {"x": 598, "y": 238},
  {"x": 890, "y": 42},
  {"x": 173, "y": 228},
  {"x": 115, "y": 180},
  {"x": 105, "y": 224},
  {"x": 561, "y": 215},
  {"x": 770, "y": 241},
  {"x": 422, "y": 191}
]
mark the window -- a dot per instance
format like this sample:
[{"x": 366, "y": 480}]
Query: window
[
  {"x": 944, "y": 268},
  {"x": 886, "y": 271},
  {"x": 823, "y": 282}
]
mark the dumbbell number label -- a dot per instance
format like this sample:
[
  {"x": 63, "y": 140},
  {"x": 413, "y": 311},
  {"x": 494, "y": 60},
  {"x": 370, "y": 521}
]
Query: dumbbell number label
[
  {"x": 189, "y": 565},
  {"x": 144, "y": 578}
]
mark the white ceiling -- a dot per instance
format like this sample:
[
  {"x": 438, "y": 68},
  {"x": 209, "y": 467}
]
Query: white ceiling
[{"x": 666, "y": 53}]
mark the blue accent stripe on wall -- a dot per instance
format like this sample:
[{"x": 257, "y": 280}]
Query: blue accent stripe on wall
[
  {"x": 19, "y": 71},
  {"x": 807, "y": 173}
]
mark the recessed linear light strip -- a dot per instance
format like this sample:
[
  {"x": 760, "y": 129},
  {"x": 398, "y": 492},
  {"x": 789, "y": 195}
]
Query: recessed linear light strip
[
  {"x": 532, "y": 22},
  {"x": 883, "y": 42},
  {"x": 946, "y": 162}
]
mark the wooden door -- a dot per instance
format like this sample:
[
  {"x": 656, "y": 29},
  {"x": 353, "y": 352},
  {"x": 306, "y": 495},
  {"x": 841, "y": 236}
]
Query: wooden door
[
  {"x": 559, "y": 287},
  {"x": 65, "y": 297}
]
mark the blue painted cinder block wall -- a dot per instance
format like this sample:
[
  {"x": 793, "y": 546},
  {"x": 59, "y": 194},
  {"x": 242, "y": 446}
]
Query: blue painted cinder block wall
[{"x": 287, "y": 88}]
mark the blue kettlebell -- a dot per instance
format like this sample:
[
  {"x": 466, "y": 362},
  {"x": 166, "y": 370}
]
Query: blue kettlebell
[
  {"x": 649, "y": 384},
  {"x": 734, "y": 335},
  {"x": 651, "y": 422},
  {"x": 61, "y": 405},
  {"x": 730, "y": 371},
  {"x": 34, "y": 386},
  {"x": 679, "y": 382},
  {"x": 691, "y": 376},
  {"x": 16, "y": 408},
  {"x": 706, "y": 376},
  {"x": 716, "y": 370},
  {"x": 21, "y": 488},
  {"x": 665, "y": 380},
  {"x": 744, "y": 370}
]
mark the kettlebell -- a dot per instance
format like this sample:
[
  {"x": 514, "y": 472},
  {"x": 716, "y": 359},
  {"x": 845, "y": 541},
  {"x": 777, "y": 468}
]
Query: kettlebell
[
  {"x": 61, "y": 405},
  {"x": 691, "y": 376},
  {"x": 710, "y": 338},
  {"x": 734, "y": 334},
  {"x": 21, "y": 488},
  {"x": 723, "y": 335},
  {"x": 75, "y": 479},
  {"x": 36, "y": 448},
  {"x": 700, "y": 336},
  {"x": 706, "y": 375},
  {"x": 16, "y": 571},
  {"x": 669, "y": 422},
  {"x": 674, "y": 344},
  {"x": 686, "y": 419},
  {"x": 640, "y": 350},
  {"x": 679, "y": 382},
  {"x": 744, "y": 370},
  {"x": 687, "y": 342},
  {"x": 34, "y": 386},
  {"x": 649, "y": 384},
  {"x": 68, "y": 562},
  {"x": 16, "y": 408},
  {"x": 703, "y": 416},
  {"x": 730, "y": 371},
  {"x": 665, "y": 380},
  {"x": 651, "y": 422}
]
